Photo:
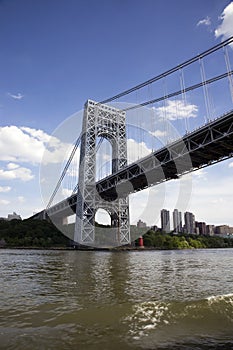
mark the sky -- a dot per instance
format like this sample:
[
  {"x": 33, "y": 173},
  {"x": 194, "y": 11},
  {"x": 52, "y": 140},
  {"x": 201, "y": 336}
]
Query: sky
[{"x": 56, "y": 54}]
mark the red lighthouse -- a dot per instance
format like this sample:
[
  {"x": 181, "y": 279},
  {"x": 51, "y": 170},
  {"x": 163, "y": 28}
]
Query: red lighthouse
[{"x": 141, "y": 245}]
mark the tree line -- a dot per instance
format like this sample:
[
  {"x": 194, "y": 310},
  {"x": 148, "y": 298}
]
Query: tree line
[
  {"x": 43, "y": 234},
  {"x": 161, "y": 240},
  {"x": 31, "y": 233}
]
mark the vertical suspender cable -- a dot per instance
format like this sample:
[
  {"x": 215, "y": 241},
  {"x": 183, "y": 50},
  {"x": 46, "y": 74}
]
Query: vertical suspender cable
[
  {"x": 137, "y": 129},
  {"x": 205, "y": 90},
  {"x": 170, "y": 71},
  {"x": 228, "y": 65},
  {"x": 183, "y": 94},
  {"x": 150, "y": 120},
  {"x": 177, "y": 114},
  {"x": 140, "y": 132},
  {"x": 165, "y": 122},
  {"x": 153, "y": 133}
]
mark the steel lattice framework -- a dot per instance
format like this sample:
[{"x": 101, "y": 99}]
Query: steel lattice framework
[
  {"x": 101, "y": 121},
  {"x": 203, "y": 147}
]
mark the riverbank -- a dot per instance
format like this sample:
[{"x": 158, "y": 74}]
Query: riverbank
[{"x": 36, "y": 234}]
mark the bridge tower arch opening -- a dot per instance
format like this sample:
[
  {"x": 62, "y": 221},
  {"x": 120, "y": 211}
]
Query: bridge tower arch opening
[
  {"x": 106, "y": 122},
  {"x": 104, "y": 163},
  {"x": 102, "y": 217}
]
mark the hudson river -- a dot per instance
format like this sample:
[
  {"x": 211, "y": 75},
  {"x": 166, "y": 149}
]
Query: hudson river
[{"x": 116, "y": 300}]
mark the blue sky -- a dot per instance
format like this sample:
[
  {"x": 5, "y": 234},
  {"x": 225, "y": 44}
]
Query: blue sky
[{"x": 55, "y": 54}]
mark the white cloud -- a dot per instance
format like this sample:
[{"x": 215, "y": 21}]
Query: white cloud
[
  {"x": 19, "y": 96},
  {"x": 20, "y": 173},
  {"x": 206, "y": 22},
  {"x": 230, "y": 165},
  {"x": 177, "y": 110},
  {"x": 37, "y": 134},
  {"x": 225, "y": 29},
  {"x": 136, "y": 150},
  {"x": 23, "y": 144},
  {"x": 106, "y": 157},
  {"x": 217, "y": 201},
  {"x": 21, "y": 199},
  {"x": 12, "y": 166},
  {"x": 200, "y": 174},
  {"x": 5, "y": 189},
  {"x": 66, "y": 192},
  {"x": 158, "y": 133},
  {"x": 15, "y": 145},
  {"x": 4, "y": 201},
  {"x": 211, "y": 203}
]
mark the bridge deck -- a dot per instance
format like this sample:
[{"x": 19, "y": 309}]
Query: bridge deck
[{"x": 210, "y": 143}]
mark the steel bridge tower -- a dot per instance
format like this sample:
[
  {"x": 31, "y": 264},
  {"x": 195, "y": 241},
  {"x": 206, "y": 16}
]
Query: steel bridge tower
[{"x": 107, "y": 122}]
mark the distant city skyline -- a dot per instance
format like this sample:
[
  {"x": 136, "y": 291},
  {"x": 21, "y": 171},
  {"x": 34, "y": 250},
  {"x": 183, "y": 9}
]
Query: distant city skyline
[{"x": 191, "y": 225}]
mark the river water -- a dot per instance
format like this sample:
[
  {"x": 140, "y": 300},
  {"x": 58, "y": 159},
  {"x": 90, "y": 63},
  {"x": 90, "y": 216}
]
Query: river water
[{"x": 116, "y": 300}]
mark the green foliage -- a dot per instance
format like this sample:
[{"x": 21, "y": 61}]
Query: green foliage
[
  {"x": 31, "y": 233},
  {"x": 43, "y": 234},
  {"x": 162, "y": 240}
]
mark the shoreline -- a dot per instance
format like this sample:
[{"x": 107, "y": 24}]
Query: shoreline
[{"x": 117, "y": 249}]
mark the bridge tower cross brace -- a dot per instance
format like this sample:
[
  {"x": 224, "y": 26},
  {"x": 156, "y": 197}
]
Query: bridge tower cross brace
[{"x": 101, "y": 121}]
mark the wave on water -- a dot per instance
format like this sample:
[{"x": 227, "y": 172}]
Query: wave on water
[
  {"x": 197, "y": 324},
  {"x": 221, "y": 297}
]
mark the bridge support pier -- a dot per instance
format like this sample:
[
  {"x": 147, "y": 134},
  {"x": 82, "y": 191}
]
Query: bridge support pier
[{"x": 107, "y": 122}]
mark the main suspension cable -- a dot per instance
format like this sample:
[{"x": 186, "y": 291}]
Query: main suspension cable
[
  {"x": 170, "y": 71},
  {"x": 173, "y": 94},
  {"x": 64, "y": 172},
  {"x": 150, "y": 81}
]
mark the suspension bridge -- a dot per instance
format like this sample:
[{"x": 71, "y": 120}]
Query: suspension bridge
[{"x": 177, "y": 122}]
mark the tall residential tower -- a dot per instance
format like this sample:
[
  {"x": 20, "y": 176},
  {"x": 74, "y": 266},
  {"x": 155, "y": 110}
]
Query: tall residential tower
[
  {"x": 189, "y": 221},
  {"x": 165, "y": 220},
  {"x": 177, "y": 221}
]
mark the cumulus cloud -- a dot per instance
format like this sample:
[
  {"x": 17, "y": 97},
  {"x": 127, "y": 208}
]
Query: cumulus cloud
[
  {"x": 19, "y": 172},
  {"x": 12, "y": 166},
  {"x": 158, "y": 133},
  {"x": 16, "y": 145},
  {"x": 177, "y": 110},
  {"x": 19, "y": 96},
  {"x": 23, "y": 144},
  {"x": 4, "y": 201},
  {"x": 205, "y": 21},
  {"x": 39, "y": 135},
  {"x": 225, "y": 29},
  {"x": 136, "y": 150},
  {"x": 5, "y": 189}
]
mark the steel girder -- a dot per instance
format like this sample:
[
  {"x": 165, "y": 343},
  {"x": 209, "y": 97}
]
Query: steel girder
[
  {"x": 108, "y": 122},
  {"x": 205, "y": 146}
]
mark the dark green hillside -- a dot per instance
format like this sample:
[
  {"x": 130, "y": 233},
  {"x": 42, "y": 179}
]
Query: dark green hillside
[{"x": 31, "y": 233}]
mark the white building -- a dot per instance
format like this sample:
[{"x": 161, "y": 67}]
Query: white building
[
  {"x": 14, "y": 216},
  {"x": 165, "y": 220},
  {"x": 189, "y": 221},
  {"x": 177, "y": 221}
]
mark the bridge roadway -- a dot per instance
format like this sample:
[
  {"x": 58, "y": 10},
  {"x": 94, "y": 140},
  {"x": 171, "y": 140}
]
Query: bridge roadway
[{"x": 202, "y": 147}]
